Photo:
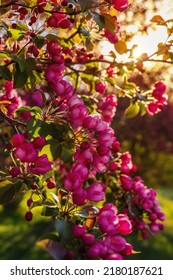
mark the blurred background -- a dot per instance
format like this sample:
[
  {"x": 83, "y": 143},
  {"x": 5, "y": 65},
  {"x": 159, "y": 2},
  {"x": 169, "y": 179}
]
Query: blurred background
[{"x": 149, "y": 140}]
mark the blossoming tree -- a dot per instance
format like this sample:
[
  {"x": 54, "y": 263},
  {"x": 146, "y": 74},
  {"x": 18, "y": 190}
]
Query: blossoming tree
[{"x": 58, "y": 98}]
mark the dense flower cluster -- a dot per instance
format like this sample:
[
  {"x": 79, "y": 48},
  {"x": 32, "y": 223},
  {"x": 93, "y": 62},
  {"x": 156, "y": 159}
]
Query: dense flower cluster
[
  {"x": 113, "y": 225},
  {"x": 28, "y": 152},
  {"x": 10, "y": 98},
  {"x": 57, "y": 100},
  {"x": 160, "y": 99}
]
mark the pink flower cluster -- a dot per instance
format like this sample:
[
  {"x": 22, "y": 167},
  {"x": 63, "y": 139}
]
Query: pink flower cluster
[
  {"x": 100, "y": 87},
  {"x": 98, "y": 152},
  {"x": 74, "y": 181},
  {"x": 57, "y": 20},
  {"x": 120, "y": 5},
  {"x": 10, "y": 98},
  {"x": 107, "y": 107},
  {"x": 28, "y": 153},
  {"x": 145, "y": 201},
  {"x": 160, "y": 99},
  {"x": 113, "y": 246},
  {"x": 56, "y": 68}
]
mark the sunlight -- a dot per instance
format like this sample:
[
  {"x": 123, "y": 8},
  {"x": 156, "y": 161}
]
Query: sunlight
[{"x": 148, "y": 43}]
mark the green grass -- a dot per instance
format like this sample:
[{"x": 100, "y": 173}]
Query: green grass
[{"x": 18, "y": 238}]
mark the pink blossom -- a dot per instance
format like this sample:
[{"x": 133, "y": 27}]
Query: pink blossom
[
  {"x": 14, "y": 171},
  {"x": 126, "y": 163},
  {"x": 96, "y": 192},
  {"x": 115, "y": 243},
  {"x": 82, "y": 170},
  {"x": 114, "y": 256},
  {"x": 72, "y": 181},
  {"x": 17, "y": 139},
  {"x": 120, "y": 5},
  {"x": 39, "y": 142},
  {"x": 91, "y": 121},
  {"x": 107, "y": 106},
  {"x": 79, "y": 196},
  {"x": 115, "y": 146},
  {"x": 161, "y": 216},
  {"x": 101, "y": 126},
  {"x": 77, "y": 114},
  {"x": 113, "y": 38},
  {"x": 103, "y": 150},
  {"x": 147, "y": 204},
  {"x": 99, "y": 162},
  {"x": 64, "y": 23},
  {"x": 88, "y": 239},
  {"x": 160, "y": 86},
  {"x": 26, "y": 152},
  {"x": 85, "y": 157},
  {"x": 126, "y": 182},
  {"x": 107, "y": 138},
  {"x": 40, "y": 165},
  {"x": 78, "y": 230},
  {"x": 113, "y": 166},
  {"x": 100, "y": 87},
  {"x": 97, "y": 250},
  {"x": 53, "y": 48},
  {"x": 154, "y": 227},
  {"x": 125, "y": 226},
  {"x": 37, "y": 98},
  {"x": 54, "y": 72},
  {"x": 62, "y": 88},
  {"x": 128, "y": 250},
  {"x": 108, "y": 220}
]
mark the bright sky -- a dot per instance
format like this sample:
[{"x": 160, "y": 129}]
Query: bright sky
[{"x": 147, "y": 43}]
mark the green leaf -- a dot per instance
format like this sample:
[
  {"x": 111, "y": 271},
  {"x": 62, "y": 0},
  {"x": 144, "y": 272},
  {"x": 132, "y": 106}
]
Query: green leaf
[
  {"x": 86, "y": 4},
  {"x": 99, "y": 19},
  {"x": 20, "y": 79},
  {"x": 109, "y": 22},
  {"x": 22, "y": 64},
  {"x": 39, "y": 41},
  {"x": 52, "y": 37},
  {"x": 64, "y": 229},
  {"x": 31, "y": 80},
  {"x": 132, "y": 110},
  {"x": 142, "y": 108},
  {"x": 35, "y": 109},
  {"x": 37, "y": 127},
  {"x": 67, "y": 154},
  {"x": 49, "y": 212},
  {"x": 30, "y": 63},
  {"x": 22, "y": 26},
  {"x": 52, "y": 149},
  {"x": 15, "y": 34},
  {"x": 111, "y": 80},
  {"x": 7, "y": 192},
  {"x": 5, "y": 73}
]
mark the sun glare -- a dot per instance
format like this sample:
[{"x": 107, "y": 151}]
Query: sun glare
[
  {"x": 148, "y": 43},
  {"x": 145, "y": 43}
]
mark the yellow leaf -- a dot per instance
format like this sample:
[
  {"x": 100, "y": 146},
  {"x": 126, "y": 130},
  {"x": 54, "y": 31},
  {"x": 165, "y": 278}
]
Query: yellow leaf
[
  {"x": 120, "y": 47},
  {"x": 113, "y": 12},
  {"x": 90, "y": 221},
  {"x": 110, "y": 22},
  {"x": 77, "y": 39},
  {"x": 157, "y": 19},
  {"x": 31, "y": 2}
]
